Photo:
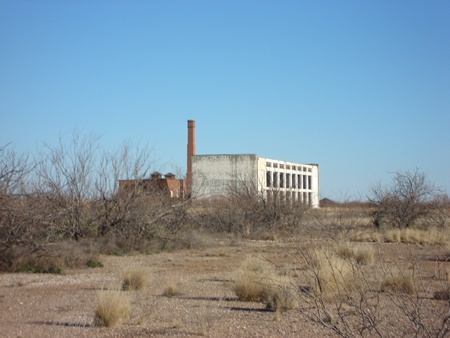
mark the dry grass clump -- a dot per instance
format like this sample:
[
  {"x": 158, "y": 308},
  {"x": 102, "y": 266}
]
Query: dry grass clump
[
  {"x": 329, "y": 273},
  {"x": 258, "y": 281},
  {"x": 281, "y": 299},
  {"x": 366, "y": 236},
  {"x": 113, "y": 307},
  {"x": 55, "y": 258},
  {"x": 398, "y": 282},
  {"x": 251, "y": 281},
  {"x": 393, "y": 236},
  {"x": 345, "y": 250},
  {"x": 170, "y": 291},
  {"x": 135, "y": 278},
  {"x": 361, "y": 254},
  {"x": 431, "y": 236},
  {"x": 441, "y": 295},
  {"x": 444, "y": 294}
]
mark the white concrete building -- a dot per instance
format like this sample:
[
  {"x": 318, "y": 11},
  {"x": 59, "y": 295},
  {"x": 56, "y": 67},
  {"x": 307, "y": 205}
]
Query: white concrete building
[{"x": 217, "y": 175}]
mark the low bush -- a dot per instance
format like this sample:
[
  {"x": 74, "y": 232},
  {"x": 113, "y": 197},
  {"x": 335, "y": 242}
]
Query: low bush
[
  {"x": 444, "y": 293},
  {"x": 398, "y": 283},
  {"x": 258, "y": 281},
  {"x": 361, "y": 254},
  {"x": 281, "y": 298},
  {"x": 430, "y": 236},
  {"x": 393, "y": 236},
  {"x": 94, "y": 264},
  {"x": 135, "y": 278},
  {"x": 170, "y": 291},
  {"x": 328, "y": 272},
  {"x": 251, "y": 280},
  {"x": 366, "y": 236},
  {"x": 113, "y": 307}
]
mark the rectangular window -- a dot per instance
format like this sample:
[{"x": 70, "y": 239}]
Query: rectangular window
[
  {"x": 281, "y": 180},
  {"x": 294, "y": 179},
  {"x": 304, "y": 182},
  {"x": 299, "y": 181},
  {"x": 268, "y": 179},
  {"x": 309, "y": 182},
  {"x": 275, "y": 180},
  {"x": 288, "y": 180}
]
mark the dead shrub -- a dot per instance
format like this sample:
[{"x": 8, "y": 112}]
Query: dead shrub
[
  {"x": 429, "y": 236},
  {"x": 443, "y": 294},
  {"x": 54, "y": 258},
  {"x": 398, "y": 283},
  {"x": 345, "y": 250},
  {"x": 366, "y": 236},
  {"x": 170, "y": 291},
  {"x": 328, "y": 272},
  {"x": 393, "y": 236},
  {"x": 362, "y": 255},
  {"x": 251, "y": 280},
  {"x": 409, "y": 200},
  {"x": 113, "y": 307},
  {"x": 258, "y": 281},
  {"x": 281, "y": 299},
  {"x": 135, "y": 278}
]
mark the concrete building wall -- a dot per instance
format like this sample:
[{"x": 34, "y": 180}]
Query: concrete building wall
[
  {"x": 291, "y": 181},
  {"x": 217, "y": 175}
]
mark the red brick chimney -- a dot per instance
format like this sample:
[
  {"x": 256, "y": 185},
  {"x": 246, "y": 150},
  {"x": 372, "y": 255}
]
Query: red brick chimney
[{"x": 190, "y": 152}]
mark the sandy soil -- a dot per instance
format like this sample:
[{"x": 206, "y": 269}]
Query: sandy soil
[{"x": 43, "y": 305}]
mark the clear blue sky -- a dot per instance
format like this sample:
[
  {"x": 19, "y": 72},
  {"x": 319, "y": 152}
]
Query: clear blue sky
[{"x": 360, "y": 87}]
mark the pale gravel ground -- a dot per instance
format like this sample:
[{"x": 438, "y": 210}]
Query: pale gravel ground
[{"x": 42, "y": 305}]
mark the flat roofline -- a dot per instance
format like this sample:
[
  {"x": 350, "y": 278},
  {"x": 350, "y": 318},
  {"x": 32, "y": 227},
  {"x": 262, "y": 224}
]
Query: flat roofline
[
  {"x": 259, "y": 157},
  {"x": 225, "y": 155}
]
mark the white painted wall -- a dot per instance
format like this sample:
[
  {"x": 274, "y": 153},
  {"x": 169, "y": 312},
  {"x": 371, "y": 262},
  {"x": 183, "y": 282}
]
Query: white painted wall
[{"x": 215, "y": 175}]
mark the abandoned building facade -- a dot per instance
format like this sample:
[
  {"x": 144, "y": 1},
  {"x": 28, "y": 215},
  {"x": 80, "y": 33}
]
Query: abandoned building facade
[
  {"x": 167, "y": 186},
  {"x": 218, "y": 175},
  {"x": 211, "y": 176}
]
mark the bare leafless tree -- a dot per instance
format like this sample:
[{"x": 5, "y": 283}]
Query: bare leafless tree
[
  {"x": 20, "y": 212},
  {"x": 409, "y": 199},
  {"x": 65, "y": 175},
  {"x": 13, "y": 169},
  {"x": 124, "y": 164}
]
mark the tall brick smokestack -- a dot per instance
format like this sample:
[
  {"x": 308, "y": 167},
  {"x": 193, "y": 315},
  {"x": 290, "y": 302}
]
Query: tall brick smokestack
[{"x": 190, "y": 152}]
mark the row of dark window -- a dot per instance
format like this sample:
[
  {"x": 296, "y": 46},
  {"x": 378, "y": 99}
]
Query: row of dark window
[
  {"x": 285, "y": 180},
  {"x": 304, "y": 197}
]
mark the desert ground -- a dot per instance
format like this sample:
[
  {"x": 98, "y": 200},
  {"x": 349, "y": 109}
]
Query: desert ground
[{"x": 204, "y": 304}]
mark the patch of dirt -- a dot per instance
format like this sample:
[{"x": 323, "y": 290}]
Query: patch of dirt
[{"x": 42, "y": 305}]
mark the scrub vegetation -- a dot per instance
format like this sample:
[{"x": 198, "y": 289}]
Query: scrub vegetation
[{"x": 349, "y": 267}]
